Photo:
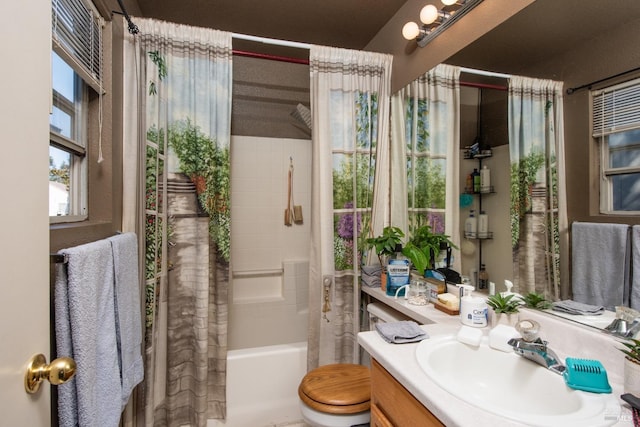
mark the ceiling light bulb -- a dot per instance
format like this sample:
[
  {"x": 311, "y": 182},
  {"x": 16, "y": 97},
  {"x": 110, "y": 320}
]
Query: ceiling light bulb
[
  {"x": 449, "y": 2},
  {"x": 429, "y": 14},
  {"x": 410, "y": 30}
]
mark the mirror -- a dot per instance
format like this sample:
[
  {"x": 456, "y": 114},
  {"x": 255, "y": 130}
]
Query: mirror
[{"x": 574, "y": 41}]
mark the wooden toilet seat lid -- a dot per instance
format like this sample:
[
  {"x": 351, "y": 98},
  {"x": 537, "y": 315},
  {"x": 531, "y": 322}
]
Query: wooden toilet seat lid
[{"x": 340, "y": 388}]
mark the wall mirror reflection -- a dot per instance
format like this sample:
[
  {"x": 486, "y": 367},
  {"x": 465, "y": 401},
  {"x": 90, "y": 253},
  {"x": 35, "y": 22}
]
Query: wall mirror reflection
[{"x": 577, "y": 244}]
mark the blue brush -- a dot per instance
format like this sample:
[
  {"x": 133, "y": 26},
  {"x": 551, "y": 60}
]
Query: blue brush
[{"x": 586, "y": 375}]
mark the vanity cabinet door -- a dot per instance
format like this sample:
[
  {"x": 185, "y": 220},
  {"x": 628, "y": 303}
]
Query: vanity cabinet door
[
  {"x": 378, "y": 418},
  {"x": 393, "y": 406}
]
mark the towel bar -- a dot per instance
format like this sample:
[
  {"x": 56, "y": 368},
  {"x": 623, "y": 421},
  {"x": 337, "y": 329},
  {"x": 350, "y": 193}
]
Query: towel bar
[{"x": 58, "y": 258}]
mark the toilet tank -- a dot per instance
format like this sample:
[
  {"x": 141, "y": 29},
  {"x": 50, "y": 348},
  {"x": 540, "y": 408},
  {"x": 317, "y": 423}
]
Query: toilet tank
[{"x": 379, "y": 312}]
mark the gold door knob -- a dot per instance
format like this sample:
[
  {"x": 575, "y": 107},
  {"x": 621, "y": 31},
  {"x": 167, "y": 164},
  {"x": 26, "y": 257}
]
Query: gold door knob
[{"x": 57, "y": 372}]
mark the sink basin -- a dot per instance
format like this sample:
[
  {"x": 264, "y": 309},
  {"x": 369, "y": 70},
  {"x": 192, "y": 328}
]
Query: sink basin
[{"x": 510, "y": 386}]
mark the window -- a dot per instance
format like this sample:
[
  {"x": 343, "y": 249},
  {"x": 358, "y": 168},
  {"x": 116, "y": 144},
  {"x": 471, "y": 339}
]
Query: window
[
  {"x": 76, "y": 70},
  {"x": 616, "y": 128},
  {"x": 426, "y": 168}
]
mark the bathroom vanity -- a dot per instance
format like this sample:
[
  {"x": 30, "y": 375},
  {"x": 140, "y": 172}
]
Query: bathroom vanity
[{"x": 402, "y": 393}]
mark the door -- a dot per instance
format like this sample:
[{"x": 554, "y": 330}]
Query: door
[{"x": 25, "y": 46}]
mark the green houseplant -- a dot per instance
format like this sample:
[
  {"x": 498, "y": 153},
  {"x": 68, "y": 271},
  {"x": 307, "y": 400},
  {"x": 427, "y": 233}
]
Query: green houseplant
[
  {"x": 505, "y": 308},
  {"x": 384, "y": 246},
  {"x": 631, "y": 352},
  {"x": 386, "y": 243},
  {"x": 424, "y": 246},
  {"x": 536, "y": 301}
]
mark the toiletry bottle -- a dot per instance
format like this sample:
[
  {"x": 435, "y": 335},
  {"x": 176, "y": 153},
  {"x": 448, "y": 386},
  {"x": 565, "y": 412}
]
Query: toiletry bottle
[
  {"x": 473, "y": 310},
  {"x": 469, "y": 186},
  {"x": 485, "y": 180},
  {"x": 483, "y": 278},
  {"x": 483, "y": 225},
  {"x": 471, "y": 226},
  {"x": 476, "y": 181}
]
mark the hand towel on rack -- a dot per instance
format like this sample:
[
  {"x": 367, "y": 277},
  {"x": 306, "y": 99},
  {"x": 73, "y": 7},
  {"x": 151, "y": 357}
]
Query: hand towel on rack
[
  {"x": 634, "y": 292},
  {"x": 600, "y": 263},
  {"x": 86, "y": 330},
  {"x": 128, "y": 317}
]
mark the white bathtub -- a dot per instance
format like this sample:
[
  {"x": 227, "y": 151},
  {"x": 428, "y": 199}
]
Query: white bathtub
[{"x": 262, "y": 386}]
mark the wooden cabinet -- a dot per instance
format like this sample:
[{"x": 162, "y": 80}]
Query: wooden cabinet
[{"x": 393, "y": 406}]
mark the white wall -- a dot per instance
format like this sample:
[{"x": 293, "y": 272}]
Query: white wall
[
  {"x": 496, "y": 252},
  {"x": 269, "y": 261}
]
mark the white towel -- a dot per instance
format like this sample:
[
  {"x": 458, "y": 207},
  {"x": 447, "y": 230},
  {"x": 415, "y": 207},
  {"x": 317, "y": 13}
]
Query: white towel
[
  {"x": 86, "y": 331},
  {"x": 634, "y": 292},
  {"x": 600, "y": 263},
  {"x": 128, "y": 318}
]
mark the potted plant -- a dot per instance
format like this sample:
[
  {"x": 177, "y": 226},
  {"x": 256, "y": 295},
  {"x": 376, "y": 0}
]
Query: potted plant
[
  {"x": 536, "y": 301},
  {"x": 385, "y": 245},
  {"x": 424, "y": 246},
  {"x": 631, "y": 351},
  {"x": 505, "y": 308}
]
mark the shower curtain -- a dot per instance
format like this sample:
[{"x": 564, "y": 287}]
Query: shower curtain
[
  {"x": 177, "y": 132},
  {"x": 539, "y": 233},
  {"x": 350, "y": 196},
  {"x": 425, "y": 150}
]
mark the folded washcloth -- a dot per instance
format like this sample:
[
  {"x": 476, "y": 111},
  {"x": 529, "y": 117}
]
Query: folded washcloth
[
  {"x": 371, "y": 276},
  {"x": 574, "y": 307},
  {"x": 401, "y": 332}
]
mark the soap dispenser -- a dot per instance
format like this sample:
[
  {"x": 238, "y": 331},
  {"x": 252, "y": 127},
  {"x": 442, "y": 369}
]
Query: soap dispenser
[{"x": 473, "y": 310}]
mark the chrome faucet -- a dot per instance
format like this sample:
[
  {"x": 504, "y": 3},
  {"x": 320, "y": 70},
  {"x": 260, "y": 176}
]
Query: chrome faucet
[
  {"x": 538, "y": 352},
  {"x": 531, "y": 347}
]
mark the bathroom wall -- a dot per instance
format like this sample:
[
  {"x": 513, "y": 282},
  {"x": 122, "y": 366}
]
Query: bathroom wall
[{"x": 269, "y": 260}]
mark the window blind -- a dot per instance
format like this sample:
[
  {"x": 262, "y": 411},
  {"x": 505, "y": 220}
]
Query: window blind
[
  {"x": 616, "y": 108},
  {"x": 77, "y": 37}
]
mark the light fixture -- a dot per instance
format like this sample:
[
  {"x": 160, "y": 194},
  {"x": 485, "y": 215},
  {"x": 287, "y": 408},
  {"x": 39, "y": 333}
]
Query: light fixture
[{"x": 435, "y": 21}]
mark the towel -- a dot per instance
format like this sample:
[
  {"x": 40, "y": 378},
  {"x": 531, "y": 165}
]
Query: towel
[
  {"x": 600, "y": 263},
  {"x": 401, "y": 332},
  {"x": 573, "y": 307},
  {"x": 634, "y": 292},
  {"x": 371, "y": 275},
  {"x": 128, "y": 317},
  {"x": 86, "y": 330}
]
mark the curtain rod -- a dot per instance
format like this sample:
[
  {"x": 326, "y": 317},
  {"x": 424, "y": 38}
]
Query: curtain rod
[
  {"x": 270, "y": 57},
  {"x": 483, "y": 86},
  {"x": 266, "y": 40},
  {"x": 588, "y": 85},
  {"x": 484, "y": 73}
]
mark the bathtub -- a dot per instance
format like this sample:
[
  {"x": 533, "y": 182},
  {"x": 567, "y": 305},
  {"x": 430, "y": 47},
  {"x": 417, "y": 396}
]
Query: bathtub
[{"x": 262, "y": 386}]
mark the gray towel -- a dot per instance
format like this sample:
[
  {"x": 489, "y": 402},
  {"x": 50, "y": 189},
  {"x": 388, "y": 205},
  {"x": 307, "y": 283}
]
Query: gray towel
[
  {"x": 573, "y": 307},
  {"x": 128, "y": 317},
  {"x": 86, "y": 330},
  {"x": 371, "y": 276},
  {"x": 401, "y": 332},
  {"x": 600, "y": 263}
]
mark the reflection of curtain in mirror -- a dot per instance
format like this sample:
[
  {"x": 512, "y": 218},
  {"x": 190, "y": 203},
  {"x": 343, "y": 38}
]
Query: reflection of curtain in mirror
[
  {"x": 184, "y": 92},
  {"x": 425, "y": 150},
  {"x": 350, "y": 105},
  {"x": 539, "y": 232}
]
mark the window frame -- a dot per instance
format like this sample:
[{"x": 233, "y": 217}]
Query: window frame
[
  {"x": 609, "y": 117},
  {"x": 77, "y": 40}
]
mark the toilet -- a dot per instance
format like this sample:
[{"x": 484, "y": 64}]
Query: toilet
[{"x": 336, "y": 395}]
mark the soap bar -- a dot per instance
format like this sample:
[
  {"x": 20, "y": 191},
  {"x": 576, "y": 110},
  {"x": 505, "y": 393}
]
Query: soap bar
[
  {"x": 469, "y": 335},
  {"x": 449, "y": 300},
  {"x": 500, "y": 336}
]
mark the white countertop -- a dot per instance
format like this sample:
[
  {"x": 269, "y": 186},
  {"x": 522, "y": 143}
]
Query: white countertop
[{"x": 401, "y": 362}]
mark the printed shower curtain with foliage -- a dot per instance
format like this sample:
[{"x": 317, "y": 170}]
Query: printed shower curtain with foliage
[
  {"x": 425, "y": 149},
  {"x": 350, "y": 112},
  {"x": 539, "y": 232},
  {"x": 184, "y": 101}
]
